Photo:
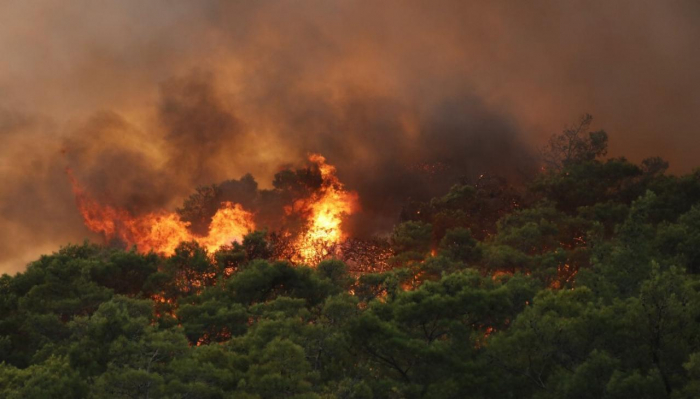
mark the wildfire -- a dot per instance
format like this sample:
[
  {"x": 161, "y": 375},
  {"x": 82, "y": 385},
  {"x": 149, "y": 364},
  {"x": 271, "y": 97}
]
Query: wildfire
[
  {"x": 327, "y": 209},
  {"x": 160, "y": 232},
  {"x": 323, "y": 212}
]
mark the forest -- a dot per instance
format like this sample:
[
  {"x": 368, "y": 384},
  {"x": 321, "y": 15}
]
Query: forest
[{"x": 579, "y": 282}]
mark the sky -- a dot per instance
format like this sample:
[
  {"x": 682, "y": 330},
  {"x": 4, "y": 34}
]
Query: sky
[{"x": 146, "y": 100}]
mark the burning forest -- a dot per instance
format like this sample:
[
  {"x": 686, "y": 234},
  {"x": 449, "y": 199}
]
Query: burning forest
[
  {"x": 282, "y": 293},
  {"x": 349, "y": 200},
  {"x": 311, "y": 224}
]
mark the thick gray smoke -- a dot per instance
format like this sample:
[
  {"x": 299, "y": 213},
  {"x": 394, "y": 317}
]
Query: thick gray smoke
[{"x": 147, "y": 100}]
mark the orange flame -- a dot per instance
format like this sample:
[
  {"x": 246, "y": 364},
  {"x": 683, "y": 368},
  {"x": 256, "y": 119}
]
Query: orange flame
[
  {"x": 160, "y": 232},
  {"x": 327, "y": 209}
]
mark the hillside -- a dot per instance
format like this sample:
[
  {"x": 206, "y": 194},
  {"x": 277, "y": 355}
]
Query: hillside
[{"x": 581, "y": 282}]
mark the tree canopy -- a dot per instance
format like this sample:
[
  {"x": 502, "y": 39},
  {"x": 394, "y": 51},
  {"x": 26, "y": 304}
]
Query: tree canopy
[{"x": 584, "y": 284}]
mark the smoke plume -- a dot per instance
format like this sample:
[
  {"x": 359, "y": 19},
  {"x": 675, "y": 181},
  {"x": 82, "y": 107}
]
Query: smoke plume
[{"x": 145, "y": 101}]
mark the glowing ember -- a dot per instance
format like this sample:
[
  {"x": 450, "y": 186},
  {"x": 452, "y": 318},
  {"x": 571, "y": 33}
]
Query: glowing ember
[
  {"x": 160, "y": 232},
  {"x": 327, "y": 209}
]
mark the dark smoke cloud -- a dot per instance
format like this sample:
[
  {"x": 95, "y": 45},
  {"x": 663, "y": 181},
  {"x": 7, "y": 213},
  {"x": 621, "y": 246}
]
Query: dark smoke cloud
[
  {"x": 389, "y": 159},
  {"x": 199, "y": 129},
  {"x": 147, "y": 100},
  {"x": 103, "y": 155}
]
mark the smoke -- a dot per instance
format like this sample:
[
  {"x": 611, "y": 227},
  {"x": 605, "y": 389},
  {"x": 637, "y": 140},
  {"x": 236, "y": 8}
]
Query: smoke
[{"x": 147, "y": 100}]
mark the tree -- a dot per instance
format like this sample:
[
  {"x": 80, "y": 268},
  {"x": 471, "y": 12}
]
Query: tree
[
  {"x": 574, "y": 145},
  {"x": 411, "y": 241},
  {"x": 459, "y": 245},
  {"x": 53, "y": 378}
]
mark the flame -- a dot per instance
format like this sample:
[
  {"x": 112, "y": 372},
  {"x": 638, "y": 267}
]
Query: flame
[
  {"x": 160, "y": 232},
  {"x": 230, "y": 223},
  {"x": 323, "y": 211},
  {"x": 327, "y": 209}
]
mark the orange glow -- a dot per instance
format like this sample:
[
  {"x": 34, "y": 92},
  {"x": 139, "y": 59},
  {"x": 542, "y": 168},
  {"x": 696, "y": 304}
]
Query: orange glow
[
  {"x": 160, "y": 232},
  {"x": 327, "y": 208},
  {"x": 565, "y": 274},
  {"x": 230, "y": 223}
]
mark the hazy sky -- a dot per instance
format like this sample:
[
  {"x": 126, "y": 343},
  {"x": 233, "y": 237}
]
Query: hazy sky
[{"x": 145, "y": 100}]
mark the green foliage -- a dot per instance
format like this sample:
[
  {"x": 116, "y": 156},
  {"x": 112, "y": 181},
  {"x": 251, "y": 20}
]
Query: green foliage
[
  {"x": 575, "y": 145},
  {"x": 53, "y": 378},
  {"x": 585, "y": 285},
  {"x": 459, "y": 245},
  {"x": 412, "y": 237}
]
